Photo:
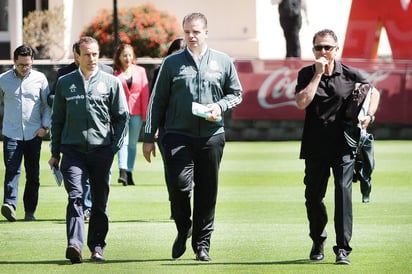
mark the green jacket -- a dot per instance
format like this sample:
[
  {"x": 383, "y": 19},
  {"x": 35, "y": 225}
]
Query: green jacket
[
  {"x": 180, "y": 82},
  {"x": 88, "y": 120}
]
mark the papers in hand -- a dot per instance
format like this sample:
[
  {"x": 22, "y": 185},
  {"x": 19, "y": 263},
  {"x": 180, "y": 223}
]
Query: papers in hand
[
  {"x": 57, "y": 175},
  {"x": 202, "y": 111}
]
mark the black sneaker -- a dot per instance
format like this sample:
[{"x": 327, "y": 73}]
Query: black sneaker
[
  {"x": 97, "y": 255},
  {"x": 8, "y": 212},
  {"x": 342, "y": 257}
]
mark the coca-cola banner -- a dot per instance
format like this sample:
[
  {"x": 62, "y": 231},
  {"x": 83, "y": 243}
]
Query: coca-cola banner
[{"x": 269, "y": 88}]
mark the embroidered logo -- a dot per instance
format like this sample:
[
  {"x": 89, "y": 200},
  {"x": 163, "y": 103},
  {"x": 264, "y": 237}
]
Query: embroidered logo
[
  {"x": 101, "y": 87},
  {"x": 213, "y": 65},
  {"x": 73, "y": 88}
]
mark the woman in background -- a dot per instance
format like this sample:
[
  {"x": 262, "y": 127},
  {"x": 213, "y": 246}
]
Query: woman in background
[{"x": 136, "y": 88}]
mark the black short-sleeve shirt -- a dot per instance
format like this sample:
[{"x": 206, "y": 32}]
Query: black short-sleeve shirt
[{"x": 322, "y": 136}]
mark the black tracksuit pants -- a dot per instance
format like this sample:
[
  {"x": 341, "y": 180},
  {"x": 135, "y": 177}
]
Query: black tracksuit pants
[{"x": 192, "y": 168}]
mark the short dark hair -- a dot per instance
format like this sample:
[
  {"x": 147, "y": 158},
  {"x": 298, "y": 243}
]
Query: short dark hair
[
  {"x": 177, "y": 44},
  {"x": 76, "y": 47},
  {"x": 87, "y": 40},
  {"x": 323, "y": 33},
  {"x": 23, "y": 50},
  {"x": 195, "y": 16}
]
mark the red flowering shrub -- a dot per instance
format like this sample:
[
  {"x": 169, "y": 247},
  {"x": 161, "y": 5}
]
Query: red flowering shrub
[{"x": 147, "y": 29}]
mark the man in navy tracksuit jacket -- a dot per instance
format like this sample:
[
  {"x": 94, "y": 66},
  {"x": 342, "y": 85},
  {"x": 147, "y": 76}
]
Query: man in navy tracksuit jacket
[{"x": 89, "y": 123}]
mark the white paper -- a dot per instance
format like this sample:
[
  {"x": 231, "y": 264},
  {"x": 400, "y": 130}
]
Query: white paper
[
  {"x": 202, "y": 111},
  {"x": 58, "y": 176}
]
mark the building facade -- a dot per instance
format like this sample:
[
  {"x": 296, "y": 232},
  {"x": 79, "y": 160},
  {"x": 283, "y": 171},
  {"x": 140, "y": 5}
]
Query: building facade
[{"x": 243, "y": 29}]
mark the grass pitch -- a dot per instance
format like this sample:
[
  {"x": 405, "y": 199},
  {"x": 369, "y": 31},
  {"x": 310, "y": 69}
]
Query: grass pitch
[{"x": 260, "y": 227}]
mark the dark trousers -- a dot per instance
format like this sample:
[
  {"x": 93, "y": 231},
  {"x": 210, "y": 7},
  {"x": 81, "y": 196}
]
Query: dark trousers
[
  {"x": 317, "y": 173},
  {"x": 193, "y": 166},
  {"x": 13, "y": 153},
  {"x": 76, "y": 168},
  {"x": 161, "y": 133}
]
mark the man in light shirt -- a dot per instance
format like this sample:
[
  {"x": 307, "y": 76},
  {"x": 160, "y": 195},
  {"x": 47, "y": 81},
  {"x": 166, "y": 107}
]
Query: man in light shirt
[{"x": 25, "y": 122}]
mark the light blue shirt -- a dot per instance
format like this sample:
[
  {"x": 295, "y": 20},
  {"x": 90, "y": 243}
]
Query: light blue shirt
[{"x": 25, "y": 104}]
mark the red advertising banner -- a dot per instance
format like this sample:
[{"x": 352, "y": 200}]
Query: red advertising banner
[
  {"x": 367, "y": 18},
  {"x": 269, "y": 88}
]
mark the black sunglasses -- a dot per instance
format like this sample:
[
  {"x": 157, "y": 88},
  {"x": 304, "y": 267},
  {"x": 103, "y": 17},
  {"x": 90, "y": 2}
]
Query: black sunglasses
[{"x": 325, "y": 47}]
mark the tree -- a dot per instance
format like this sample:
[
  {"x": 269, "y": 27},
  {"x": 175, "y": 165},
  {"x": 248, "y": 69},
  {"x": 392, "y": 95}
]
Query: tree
[
  {"x": 146, "y": 28},
  {"x": 43, "y": 31}
]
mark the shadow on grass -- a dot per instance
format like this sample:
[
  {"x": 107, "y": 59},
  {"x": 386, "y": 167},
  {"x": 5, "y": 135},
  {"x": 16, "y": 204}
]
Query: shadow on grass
[
  {"x": 56, "y": 221},
  {"x": 87, "y": 261},
  {"x": 291, "y": 262},
  {"x": 63, "y": 221},
  {"x": 172, "y": 262}
]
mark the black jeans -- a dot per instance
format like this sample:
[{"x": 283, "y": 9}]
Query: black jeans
[{"x": 193, "y": 164}]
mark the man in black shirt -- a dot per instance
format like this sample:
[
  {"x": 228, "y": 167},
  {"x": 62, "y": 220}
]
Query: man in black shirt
[{"x": 322, "y": 90}]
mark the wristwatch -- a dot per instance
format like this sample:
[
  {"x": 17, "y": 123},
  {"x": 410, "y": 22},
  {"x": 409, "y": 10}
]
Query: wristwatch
[{"x": 372, "y": 117}]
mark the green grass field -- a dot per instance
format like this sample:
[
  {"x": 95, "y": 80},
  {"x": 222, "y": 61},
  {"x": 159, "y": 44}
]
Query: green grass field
[{"x": 260, "y": 227}]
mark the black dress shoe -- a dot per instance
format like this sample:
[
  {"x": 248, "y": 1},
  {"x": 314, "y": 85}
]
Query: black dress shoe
[
  {"x": 179, "y": 246},
  {"x": 316, "y": 254},
  {"x": 74, "y": 254},
  {"x": 202, "y": 255}
]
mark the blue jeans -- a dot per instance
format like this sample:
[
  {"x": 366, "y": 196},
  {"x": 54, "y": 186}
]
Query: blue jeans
[
  {"x": 13, "y": 153},
  {"x": 127, "y": 154}
]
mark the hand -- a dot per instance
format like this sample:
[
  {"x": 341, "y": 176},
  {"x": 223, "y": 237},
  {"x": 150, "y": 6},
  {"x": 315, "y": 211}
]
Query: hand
[
  {"x": 54, "y": 162},
  {"x": 365, "y": 121},
  {"x": 148, "y": 149},
  {"x": 320, "y": 65},
  {"x": 41, "y": 132},
  {"x": 215, "y": 111}
]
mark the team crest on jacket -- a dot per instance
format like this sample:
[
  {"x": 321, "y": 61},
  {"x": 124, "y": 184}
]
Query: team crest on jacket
[
  {"x": 213, "y": 65},
  {"x": 101, "y": 87},
  {"x": 72, "y": 88}
]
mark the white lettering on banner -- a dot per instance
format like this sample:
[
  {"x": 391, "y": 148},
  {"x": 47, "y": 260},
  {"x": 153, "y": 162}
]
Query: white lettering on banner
[
  {"x": 283, "y": 88},
  {"x": 378, "y": 76}
]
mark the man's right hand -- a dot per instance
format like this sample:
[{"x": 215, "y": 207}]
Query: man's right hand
[
  {"x": 148, "y": 149},
  {"x": 320, "y": 65}
]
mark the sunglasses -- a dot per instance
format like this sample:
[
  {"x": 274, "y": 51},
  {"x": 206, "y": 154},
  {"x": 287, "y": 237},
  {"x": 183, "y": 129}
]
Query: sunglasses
[{"x": 325, "y": 47}]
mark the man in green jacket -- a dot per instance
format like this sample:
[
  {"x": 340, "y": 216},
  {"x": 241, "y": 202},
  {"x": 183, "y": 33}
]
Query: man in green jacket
[
  {"x": 195, "y": 77},
  {"x": 89, "y": 122}
]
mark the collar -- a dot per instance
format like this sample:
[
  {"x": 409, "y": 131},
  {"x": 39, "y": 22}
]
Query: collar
[
  {"x": 201, "y": 54},
  {"x": 17, "y": 76},
  {"x": 91, "y": 76}
]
